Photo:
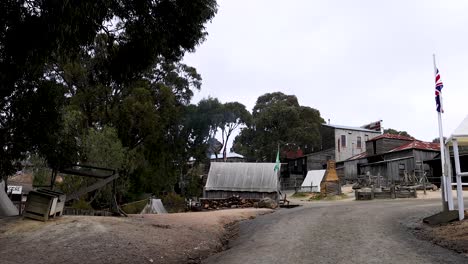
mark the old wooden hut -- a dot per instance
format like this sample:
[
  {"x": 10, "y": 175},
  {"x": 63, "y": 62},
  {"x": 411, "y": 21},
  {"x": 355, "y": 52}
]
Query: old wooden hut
[
  {"x": 244, "y": 179},
  {"x": 390, "y": 156}
]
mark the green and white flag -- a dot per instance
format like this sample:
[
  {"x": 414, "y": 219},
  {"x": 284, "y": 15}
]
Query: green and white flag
[{"x": 277, "y": 165}]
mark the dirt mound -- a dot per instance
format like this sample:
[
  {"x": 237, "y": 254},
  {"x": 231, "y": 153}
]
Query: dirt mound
[{"x": 171, "y": 238}]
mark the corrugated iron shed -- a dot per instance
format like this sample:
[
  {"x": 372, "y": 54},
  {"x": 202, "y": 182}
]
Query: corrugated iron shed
[{"x": 242, "y": 177}]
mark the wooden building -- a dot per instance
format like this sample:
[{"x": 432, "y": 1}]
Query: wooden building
[
  {"x": 345, "y": 141},
  {"x": 391, "y": 156},
  {"x": 337, "y": 143},
  {"x": 243, "y": 179}
]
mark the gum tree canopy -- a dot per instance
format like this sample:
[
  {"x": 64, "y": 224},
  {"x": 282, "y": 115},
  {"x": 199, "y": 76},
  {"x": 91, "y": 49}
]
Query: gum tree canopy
[
  {"x": 279, "y": 119},
  {"x": 116, "y": 43}
]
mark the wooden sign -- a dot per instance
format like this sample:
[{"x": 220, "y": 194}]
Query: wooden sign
[{"x": 15, "y": 189}]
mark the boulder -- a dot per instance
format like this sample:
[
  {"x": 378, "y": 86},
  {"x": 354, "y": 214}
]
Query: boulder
[{"x": 267, "y": 203}]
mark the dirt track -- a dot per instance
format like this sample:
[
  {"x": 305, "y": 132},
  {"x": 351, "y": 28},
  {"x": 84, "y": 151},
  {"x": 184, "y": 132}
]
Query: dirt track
[
  {"x": 378, "y": 231},
  {"x": 172, "y": 238}
]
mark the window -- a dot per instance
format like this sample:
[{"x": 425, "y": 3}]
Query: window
[
  {"x": 343, "y": 141},
  {"x": 358, "y": 143},
  {"x": 366, "y": 137}
]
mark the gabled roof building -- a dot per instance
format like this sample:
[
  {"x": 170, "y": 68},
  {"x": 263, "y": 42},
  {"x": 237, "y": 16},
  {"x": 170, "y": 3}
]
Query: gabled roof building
[
  {"x": 244, "y": 179},
  {"x": 390, "y": 156}
]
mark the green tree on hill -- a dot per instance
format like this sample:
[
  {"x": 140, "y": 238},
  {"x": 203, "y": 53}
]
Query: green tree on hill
[
  {"x": 279, "y": 119},
  {"x": 396, "y": 132}
]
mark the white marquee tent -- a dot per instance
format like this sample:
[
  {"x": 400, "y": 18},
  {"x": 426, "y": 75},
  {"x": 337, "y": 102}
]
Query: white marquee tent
[
  {"x": 312, "y": 181},
  {"x": 458, "y": 138}
]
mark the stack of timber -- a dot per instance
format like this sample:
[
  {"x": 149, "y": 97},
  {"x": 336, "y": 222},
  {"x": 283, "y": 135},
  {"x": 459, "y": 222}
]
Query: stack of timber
[
  {"x": 231, "y": 202},
  {"x": 43, "y": 204}
]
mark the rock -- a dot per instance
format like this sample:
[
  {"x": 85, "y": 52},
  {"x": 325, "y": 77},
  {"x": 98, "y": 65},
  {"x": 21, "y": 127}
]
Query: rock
[
  {"x": 267, "y": 203},
  {"x": 233, "y": 206}
]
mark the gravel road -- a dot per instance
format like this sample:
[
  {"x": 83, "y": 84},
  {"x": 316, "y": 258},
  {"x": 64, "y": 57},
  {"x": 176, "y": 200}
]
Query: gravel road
[{"x": 339, "y": 232}]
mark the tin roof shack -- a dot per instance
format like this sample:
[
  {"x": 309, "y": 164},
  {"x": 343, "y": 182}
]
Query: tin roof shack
[
  {"x": 243, "y": 179},
  {"x": 392, "y": 157},
  {"x": 385, "y": 142}
]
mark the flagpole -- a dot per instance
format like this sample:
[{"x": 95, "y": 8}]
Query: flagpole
[{"x": 443, "y": 183}]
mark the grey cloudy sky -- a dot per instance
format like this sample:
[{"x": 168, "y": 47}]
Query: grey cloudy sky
[{"x": 355, "y": 61}]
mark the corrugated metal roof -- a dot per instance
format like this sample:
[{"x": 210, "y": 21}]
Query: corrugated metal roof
[
  {"x": 351, "y": 128},
  {"x": 418, "y": 145},
  {"x": 242, "y": 177},
  {"x": 392, "y": 136},
  {"x": 358, "y": 156},
  {"x": 228, "y": 155}
]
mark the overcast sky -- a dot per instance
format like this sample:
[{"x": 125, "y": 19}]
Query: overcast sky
[{"x": 354, "y": 61}]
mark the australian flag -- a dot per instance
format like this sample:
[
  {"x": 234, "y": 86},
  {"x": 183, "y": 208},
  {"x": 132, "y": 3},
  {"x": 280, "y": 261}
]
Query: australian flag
[{"x": 438, "y": 91}]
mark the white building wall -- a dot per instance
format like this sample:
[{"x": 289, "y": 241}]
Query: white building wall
[{"x": 351, "y": 148}]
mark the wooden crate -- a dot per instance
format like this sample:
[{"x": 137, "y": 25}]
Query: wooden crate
[
  {"x": 56, "y": 208},
  {"x": 38, "y": 205}
]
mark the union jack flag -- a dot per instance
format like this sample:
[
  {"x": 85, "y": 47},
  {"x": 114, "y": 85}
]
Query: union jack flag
[{"x": 438, "y": 91}]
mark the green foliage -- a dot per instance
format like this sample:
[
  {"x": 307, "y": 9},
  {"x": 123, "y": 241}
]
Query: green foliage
[
  {"x": 210, "y": 115},
  {"x": 81, "y": 204},
  {"x": 437, "y": 140},
  {"x": 319, "y": 196},
  {"x": 195, "y": 184},
  {"x": 41, "y": 173},
  {"x": 279, "y": 119},
  {"x": 173, "y": 203},
  {"x": 300, "y": 195},
  {"x": 134, "y": 207},
  {"x": 38, "y": 33},
  {"x": 100, "y": 148},
  {"x": 396, "y": 132},
  {"x": 234, "y": 115},
  {"x": 70, "y": 66}
]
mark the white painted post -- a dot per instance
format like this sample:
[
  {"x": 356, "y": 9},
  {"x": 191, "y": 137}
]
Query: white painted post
[
  {"x": 449, "y": 171},
  {"x": 456, "y": 157}
]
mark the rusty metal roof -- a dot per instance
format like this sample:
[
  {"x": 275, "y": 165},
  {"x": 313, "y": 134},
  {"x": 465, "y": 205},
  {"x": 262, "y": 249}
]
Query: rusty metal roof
[
  {"x": 392, "y": 136},
  {"x": 418, "y": 145},
  {"x": 359, "y": 156}
]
